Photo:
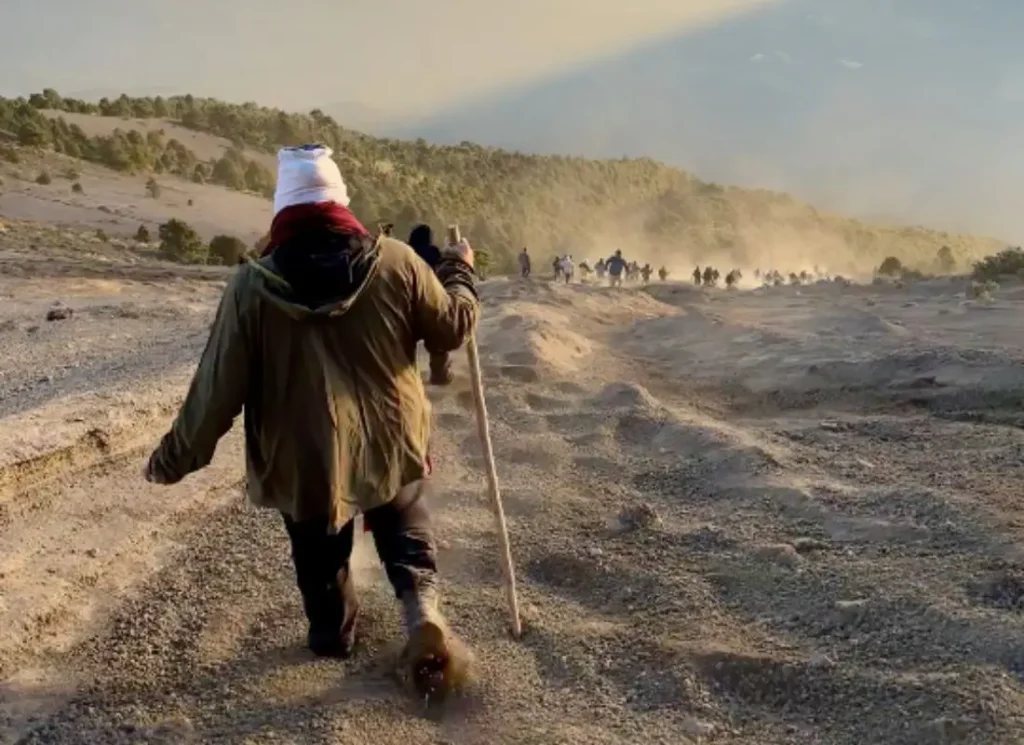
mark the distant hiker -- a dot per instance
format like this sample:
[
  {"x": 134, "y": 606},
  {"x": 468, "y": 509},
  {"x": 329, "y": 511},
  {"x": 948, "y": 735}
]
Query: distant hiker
[
  {"x": 600, "y": 269},
  {"x": 568, "y": 268},
  {"x": 585, "y": 270},
  {"x": 316, "y": 343},
  {"x": 421, "y": 240},
  {"x": 709, "y": 276},
  {"x": 557, "y": 266},
  {"x": 663, "y": 274},
  {"x": 616, "y": 266},
  {"x": 696, "y": 276},
  {"x": 732, "y": 278},
  {"x": 646, "y": 273},
  {"x": 524, "y": 263}
]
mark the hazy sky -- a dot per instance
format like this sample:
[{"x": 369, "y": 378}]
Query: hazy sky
[
  {"x": 906, "y": 109},
  {"x": 399, "y": 55}
]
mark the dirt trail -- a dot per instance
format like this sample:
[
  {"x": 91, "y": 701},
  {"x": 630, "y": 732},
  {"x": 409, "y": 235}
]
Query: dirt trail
[{"x": 765, "y": 517}]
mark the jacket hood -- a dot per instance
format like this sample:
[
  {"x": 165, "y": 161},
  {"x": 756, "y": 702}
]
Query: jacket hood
[{"x": 318, "y": 273}]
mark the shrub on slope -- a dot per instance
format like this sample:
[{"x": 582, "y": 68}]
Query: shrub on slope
[
  {"x": 180, "y": 242},
  {"x": 1007, "y": 263}
]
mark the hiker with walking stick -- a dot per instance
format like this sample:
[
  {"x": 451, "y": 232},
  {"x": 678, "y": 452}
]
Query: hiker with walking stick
[
  {"x": 421, "y": 240},
  {"x": 315, "y": 341}
]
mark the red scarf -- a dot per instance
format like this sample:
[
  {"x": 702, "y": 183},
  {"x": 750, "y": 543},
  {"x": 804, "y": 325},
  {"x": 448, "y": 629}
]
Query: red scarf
[{"x": 291, "y": 221}]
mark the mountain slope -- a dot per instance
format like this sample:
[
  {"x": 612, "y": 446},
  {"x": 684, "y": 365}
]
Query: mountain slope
[
  {"x": 905, "y": 111},
  {"x": 504, "y": 199}
]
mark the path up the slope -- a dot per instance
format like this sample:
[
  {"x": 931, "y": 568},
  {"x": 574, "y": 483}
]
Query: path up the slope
[{"x": 712, "y": 545}]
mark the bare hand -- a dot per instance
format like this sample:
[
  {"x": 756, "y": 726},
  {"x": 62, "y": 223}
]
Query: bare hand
[{"x": 462, "y": 249}]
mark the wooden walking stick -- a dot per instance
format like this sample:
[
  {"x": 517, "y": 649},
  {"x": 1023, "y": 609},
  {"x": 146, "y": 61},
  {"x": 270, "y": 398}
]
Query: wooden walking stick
[
  {"x": 484, "y": 430},
  {"x": 483, "y": 426}
]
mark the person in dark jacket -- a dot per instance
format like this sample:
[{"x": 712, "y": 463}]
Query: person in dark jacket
[
  {"x": 422, "y": 241},
  {"x": 616, "y": 266},
  {"x": 524, "y": 264}
]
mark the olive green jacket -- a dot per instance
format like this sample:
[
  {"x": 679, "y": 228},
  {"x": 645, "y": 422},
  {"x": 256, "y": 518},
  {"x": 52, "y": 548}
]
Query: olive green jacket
[{"x": 336, "y": 417}]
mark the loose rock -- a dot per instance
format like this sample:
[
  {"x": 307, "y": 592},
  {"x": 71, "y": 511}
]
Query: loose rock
[
  {"x": 641, "y": 515},
  {"x": 809, "y": 545},
  {"x": 696, "y": 728},
  {"x": 59, "y": 312},
  {"x": 779, "y": 553},
  {"x": 851, "y": 611}
]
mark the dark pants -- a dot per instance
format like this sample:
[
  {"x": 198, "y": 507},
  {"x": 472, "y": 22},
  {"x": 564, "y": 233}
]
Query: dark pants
[
  {"x": 440, "y": 368},
  {"x": 405, "y": 544}
]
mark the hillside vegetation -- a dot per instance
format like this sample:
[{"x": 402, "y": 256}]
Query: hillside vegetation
[{"x": 504, "y": 200}]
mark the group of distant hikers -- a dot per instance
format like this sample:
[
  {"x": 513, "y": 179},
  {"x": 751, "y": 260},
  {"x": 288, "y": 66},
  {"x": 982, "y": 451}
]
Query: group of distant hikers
[
  {"x": 709, "y": 277},
  {"x": 618, "y": 271},
  {"x": 768, "y": 277},
  {"x": 314, "y": 342},
  {"x": 774, "y": 278},
  {"x": 615, "y": 268}
]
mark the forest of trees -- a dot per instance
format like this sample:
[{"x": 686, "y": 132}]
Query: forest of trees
[
  {"x": 128, "y": 150},
  {"x": 504, "y": 200}
]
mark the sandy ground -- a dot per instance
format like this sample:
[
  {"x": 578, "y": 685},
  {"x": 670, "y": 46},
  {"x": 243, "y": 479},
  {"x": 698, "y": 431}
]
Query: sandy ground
[
  {"x": 776, "y": 516},
  {"x": 119, "y": 203}
]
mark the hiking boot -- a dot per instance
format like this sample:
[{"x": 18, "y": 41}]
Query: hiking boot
[
  {"x": 435, "y": 661},
  {"x": 441, "y": 370},
  {"x": 332, "y": 621},
  {"x": 441, "y": 377}
]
